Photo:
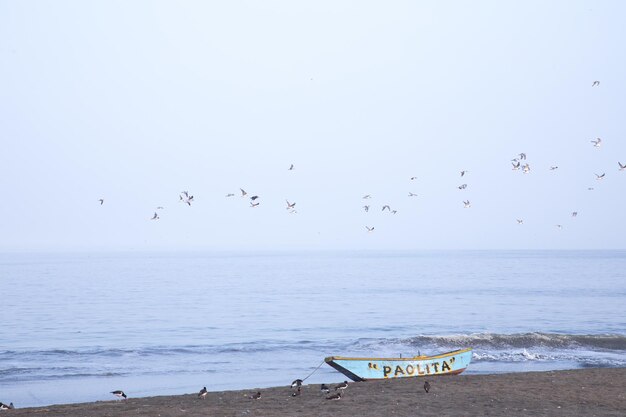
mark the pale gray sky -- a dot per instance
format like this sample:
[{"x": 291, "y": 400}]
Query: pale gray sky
[{"x": 135, "y": 101}]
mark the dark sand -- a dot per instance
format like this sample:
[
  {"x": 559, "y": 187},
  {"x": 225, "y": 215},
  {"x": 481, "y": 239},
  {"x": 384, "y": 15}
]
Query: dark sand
[{"x": 585, "y": 392}]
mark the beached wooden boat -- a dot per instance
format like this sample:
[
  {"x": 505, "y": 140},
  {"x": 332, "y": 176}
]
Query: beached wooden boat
[{"x": 361, "y": 369}]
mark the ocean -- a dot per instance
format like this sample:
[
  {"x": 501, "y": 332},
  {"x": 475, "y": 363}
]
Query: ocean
[{"x": 77, "y": 326}]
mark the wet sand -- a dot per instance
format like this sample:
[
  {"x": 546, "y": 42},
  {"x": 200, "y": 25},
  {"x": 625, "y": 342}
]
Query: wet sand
[{"x": 585, "y": 392}]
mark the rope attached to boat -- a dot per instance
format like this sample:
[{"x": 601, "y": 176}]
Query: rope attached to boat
[{"x": 314, "y": 370}]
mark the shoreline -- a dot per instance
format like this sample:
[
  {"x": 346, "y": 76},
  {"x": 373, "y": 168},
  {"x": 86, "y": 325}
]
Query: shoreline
[{"x": 579, "y": 392}]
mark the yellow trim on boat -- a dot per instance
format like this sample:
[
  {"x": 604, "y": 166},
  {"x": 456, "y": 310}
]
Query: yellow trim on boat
[{"x": 420, "y": 357}]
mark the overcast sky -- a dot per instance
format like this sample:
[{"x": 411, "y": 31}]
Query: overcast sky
[{"x": 136, "y": 101}]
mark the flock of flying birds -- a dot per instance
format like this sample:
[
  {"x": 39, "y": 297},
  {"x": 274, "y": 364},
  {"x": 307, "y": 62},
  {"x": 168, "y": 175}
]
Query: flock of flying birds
[{"x": 519, "y": 163}]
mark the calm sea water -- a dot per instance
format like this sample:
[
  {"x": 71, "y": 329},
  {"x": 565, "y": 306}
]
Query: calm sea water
[{"x": 77, "y": 326}]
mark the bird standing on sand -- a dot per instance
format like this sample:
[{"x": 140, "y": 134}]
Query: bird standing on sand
[
  {"x": 256, "y": 396},
  {"x": 324, "y": 389},
  {"x": 203, "y": 393},
  {"x": 342, "y": 386},
  {"x": 426, "y": 386},
  {"x": 296, "y": 383},
  {"x": 119, "y": 393},
  {"x": 334, "y": 397}
]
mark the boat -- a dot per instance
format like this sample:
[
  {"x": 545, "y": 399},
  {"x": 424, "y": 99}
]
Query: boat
[{"x": 362, "y": 369}]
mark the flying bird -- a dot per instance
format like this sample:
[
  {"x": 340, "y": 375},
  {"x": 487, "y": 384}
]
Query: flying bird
[
  {"x": 243, "y": 192},
  {"x": 386, "y": 207},
  {"x": 574, "y": 213},
  {"x": 101, "y": 201},
  {"x": 552, "y": 168},
  {"x": 366, "y": 208},
  {"x": 597, "y": 143},
  {"x": 464, "y": 172},
  {"x": 526, "y": 169},
  {"x": 462, "y": 186},
  {"x": 595, "y": 83},
  {"x": 412, "y": 194},
  {"x": 558, "y": 226},
  {"x": 369, "y": 229},
  {"x": 520, "y": 221},
  {"x": 290, "y": 205},
  {"x": 394, "y": 211},
  {"x": 365, "y": 197},
  {"x": 254, "y": 204},
  {"x": 254, "y": 197},
  {"x": 466, "y": 204},
  {"x": 230, "y": 195},
  {"x": 334, "y": 397},
  {"x": 256, "y": 396},
  {"x": 119, "y": 393},
  {"x": 155, "y": 217},
  {"x": 203, "y": 393},
  {"x": 621, "y": 167},
  {"x": 599, "y": 177},
  {"x": 516, "y": 166},
  {"x": 290, "y": 168},
  {"x": 522, "y": 156},
  {"x": 413, "y": 178},
  {"x": 160, "y": 208}
]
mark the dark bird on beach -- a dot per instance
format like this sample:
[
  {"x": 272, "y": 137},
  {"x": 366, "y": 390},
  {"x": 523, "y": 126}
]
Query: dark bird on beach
[
  {"x": 595, "y": 83},
  {"x": 324, "y": 389},
  {"x": 342, "y": 386},
  {"x": 7, "y": 407},
  {"x": 369, "y": 229},
  {"x": 101, "y": 201},
  {"x": 155, "y": 217},
  {"x": 256, "y": 396},
  {"x": 119, "y": 393},
  {"x": 334, "y": 397},
  {"x": 203, "y": 393},
  {"x": 426, "y": 386},
  {"x": 296, "y": 383},
  {"x": 621, "y": 167}
]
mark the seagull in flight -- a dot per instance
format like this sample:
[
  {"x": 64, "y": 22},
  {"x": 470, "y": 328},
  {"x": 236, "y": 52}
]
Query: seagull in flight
[
  {"x": 466, "y": 204},
  {"x": 462, "y": 186},
  {"x": 290, "y": 205},
  {"x": 595, "y": 83},
  {"x": 413, "y": 178},
  {"x": 526, "y": 168},
  {"x": 254, "y": 204},
  {"x": 188, "y": 199},
  {"x": 520, "y": 221},
  {"x": 574, "y": 213},
  {"x": 243, "y": 192},
  {"x": 552, "y": 168},
  {"x": 516, "y": 167},
  {"x": 386, "y": 207},
  {"x": 522, "y": 156},
  {"x": 366, "y": 208},
  {"x": 464, "y": 172},
  {"x": 230, "y": 195},
  {"x": 155, "y": 217},
  {"x": 290, "y": 168},
  {"x": 365, "y": 197},
  {"x": 101, "y": 201},
  {"x": 599, "y": 177},
  {"x": 621, "y": 167},
  {"x": 558, "y": 226},
  {"x": 254, "y": 197},
  {"x": 597, "y": 143},
  {"x": 369, "y": 229},
  {"x": 412, "y": 194}
]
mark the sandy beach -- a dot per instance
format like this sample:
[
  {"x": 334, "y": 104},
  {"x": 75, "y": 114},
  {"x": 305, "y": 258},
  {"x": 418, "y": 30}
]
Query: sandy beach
[{"x": 586, "y": 392}]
